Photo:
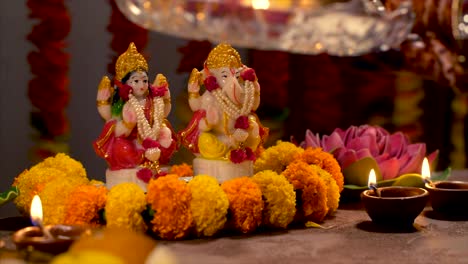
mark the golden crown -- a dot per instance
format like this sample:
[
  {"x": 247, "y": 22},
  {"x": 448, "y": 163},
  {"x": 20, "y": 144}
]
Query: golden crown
[
  {"x": 223, "y": 55},
  {"x": 130, "y": 61}
]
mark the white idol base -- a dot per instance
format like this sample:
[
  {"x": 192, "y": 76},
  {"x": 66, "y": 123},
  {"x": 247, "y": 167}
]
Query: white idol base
[
  {"x": 222, "y": 170},
  {"x": 114, "y": 177}
]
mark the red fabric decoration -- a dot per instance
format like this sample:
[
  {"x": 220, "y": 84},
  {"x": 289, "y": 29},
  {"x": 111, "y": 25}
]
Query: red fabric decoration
[
  {"x": 194, "y": 55},
  {"x": 48, "y": 89}
]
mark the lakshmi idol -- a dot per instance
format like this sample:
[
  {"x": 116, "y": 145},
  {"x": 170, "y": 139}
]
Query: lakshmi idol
[
  {"x": 224, "y": 133},
  {"x": 137, "y": 139}
]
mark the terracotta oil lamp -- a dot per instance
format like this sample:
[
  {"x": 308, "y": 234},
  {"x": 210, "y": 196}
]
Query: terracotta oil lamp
[
  {"x": 53, "y": 239},
  {"x": 447, "y": 197},
  {"x": 395, "y": 205}
]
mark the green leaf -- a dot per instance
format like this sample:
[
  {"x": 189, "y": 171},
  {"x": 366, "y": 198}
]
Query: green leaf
[
  {"x": 442, "y": 176},
  {"x": 409, "y": 179},
  {"x": 358, "y": 172},
  {"x": 9, "y": 195}
]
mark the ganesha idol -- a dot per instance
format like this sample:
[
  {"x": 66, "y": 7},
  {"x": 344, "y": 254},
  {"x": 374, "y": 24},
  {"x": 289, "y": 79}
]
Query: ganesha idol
[
  {"x": 225, "y": 134},
  {"x": 137, "y": 140}
]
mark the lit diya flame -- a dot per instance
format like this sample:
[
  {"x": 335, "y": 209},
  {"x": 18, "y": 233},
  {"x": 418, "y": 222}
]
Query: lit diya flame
[
  {"x": 372, "y": 182},
  {"x": 426, "y": 172},
  {"x": 36, "y": 214}
]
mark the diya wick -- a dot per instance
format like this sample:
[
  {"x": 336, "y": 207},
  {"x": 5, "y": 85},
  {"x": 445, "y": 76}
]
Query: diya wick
[
  {"x": 53, "y": 239},
  {"x": 426, "y": 172},
  {"x": 372, "y": 183}
]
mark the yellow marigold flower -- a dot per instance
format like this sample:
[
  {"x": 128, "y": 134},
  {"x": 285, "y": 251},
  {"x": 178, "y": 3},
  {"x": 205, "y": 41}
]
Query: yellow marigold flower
[
  {"x": 245, "y": 203},
  {"x": 170, "y": 198},
  {"x": 183, "y": 170},
  {"x": 54, "y": 196},
  {"x": 325, "y": 161},
  {"x": 314, "y": 193},
  {"x": 279, "y": 197},
  {"x": 209, "y": 205},
  {"x": 32, "y": 182},
  {"x": 124, "y": 206},
  {"x": 333, "y": 191},
  {"x": 63, "y": 162},
  {"x": 277, "y": 157},
  {"x": 83, "y": 205}
]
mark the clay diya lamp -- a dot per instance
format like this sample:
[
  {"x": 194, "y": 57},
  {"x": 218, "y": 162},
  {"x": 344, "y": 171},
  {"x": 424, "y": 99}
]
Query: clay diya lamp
[
  {"x": 395, "y": 206},
  {"x": 53, "y": 239},
  {"x": 447, "y": 197}
]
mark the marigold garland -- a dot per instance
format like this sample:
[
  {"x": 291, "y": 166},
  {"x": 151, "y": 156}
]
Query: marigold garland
[
  {"x": 277, "y": 157},
  {"x": 48, "y": 90},
  {"x": 170, "y": 198},
  {"x": 325, "y": 161},
  {"x": 333, "y": 191},
  {"x": 31, "y": 182},
  {"x": 245, "y": 203},
  {"x": 83, "y": 205},
  {"x": 183, "y": 170},
  {"x": 279, "y": 197},
  {"x": 124, "y": 207},
  {"x": 54, "y": 197},
  {"x": 63, "y": 162},
  {"x": 314, "y": 193},
  {"x": 209, "y": 205}
]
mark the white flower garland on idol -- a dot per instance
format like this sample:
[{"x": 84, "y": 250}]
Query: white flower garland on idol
[
  {"x": 144, "y": 129},
  {"x": 231, "y": 109}
]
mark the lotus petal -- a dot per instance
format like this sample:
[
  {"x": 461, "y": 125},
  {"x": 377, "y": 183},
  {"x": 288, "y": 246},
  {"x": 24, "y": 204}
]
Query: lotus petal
[
  {"x": 346, "y": 157},
  {"x": 382, "y": 157},
  {"x": 332, "y": 142},
  {"x": 432, "y": 157},
  {"x": 396, "y": 144},
  {"x": 389, "y": 168},
  {"x": 416, "y": 153},
  {"x": 311, "y": 140},
  {"x": 366, "y": 141},
  {"x": 363, "y": 153}
]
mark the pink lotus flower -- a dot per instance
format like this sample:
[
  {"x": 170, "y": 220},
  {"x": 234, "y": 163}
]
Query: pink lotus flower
[{"x": 393, "y": 153}]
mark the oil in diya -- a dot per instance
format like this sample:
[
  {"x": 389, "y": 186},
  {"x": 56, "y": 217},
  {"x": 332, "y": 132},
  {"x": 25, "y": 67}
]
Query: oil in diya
[
  {"x": 53, "y": 239},
  {"x": 396, "y": 206}
]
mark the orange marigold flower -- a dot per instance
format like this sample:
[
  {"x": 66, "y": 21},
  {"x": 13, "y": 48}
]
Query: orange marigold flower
[
  {"x": 83, "y": 205},
  {"x": 54, "y": 195},
  {"x": 183, "y": 170},
  {"x": 325, "y": 161},
  {"x": 314, "y": 193},
  {"x": 170, "y": 198},
  {"x": 245, "y": 203}
]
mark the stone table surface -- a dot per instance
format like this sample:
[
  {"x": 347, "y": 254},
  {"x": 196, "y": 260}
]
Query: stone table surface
[{"x": 347, "y": 237}]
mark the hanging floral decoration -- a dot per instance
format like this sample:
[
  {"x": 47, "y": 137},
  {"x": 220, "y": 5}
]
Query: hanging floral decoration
[
  {"x": 194, "y": 54},
  {"x": 48, "y": 89},
  {"x": 123, "y": 31}
]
